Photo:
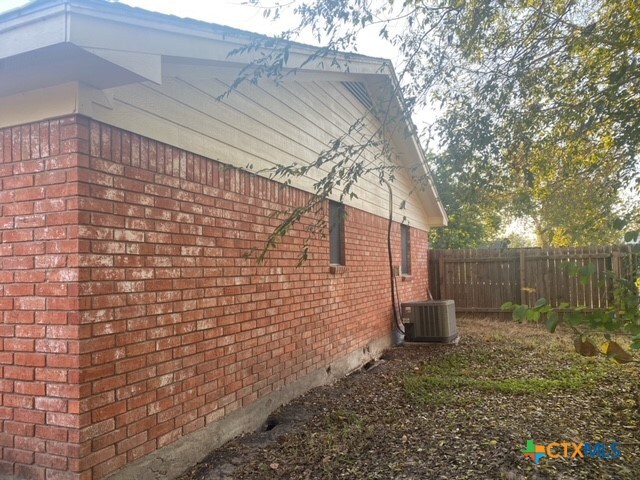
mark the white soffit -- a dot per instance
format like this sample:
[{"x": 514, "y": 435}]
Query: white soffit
[{"x": 146, "y": 65}]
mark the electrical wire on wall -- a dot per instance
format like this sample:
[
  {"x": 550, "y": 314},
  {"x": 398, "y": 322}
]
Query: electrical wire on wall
[{"x": 394, "y": 286}]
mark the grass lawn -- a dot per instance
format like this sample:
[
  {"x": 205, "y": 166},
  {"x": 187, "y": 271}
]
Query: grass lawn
[{"x": 445, "y": 411}]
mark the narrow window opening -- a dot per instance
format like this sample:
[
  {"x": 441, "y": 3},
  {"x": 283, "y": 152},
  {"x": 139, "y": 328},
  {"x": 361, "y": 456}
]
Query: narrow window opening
[
  {"x": 336, "y": 233},
  {"x": 405, "y": 238}
]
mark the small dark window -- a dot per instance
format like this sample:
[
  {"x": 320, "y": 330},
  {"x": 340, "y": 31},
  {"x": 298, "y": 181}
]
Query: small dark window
[
  {"x": 336, "y": 233},
  {"x": 405, "y": 238}
]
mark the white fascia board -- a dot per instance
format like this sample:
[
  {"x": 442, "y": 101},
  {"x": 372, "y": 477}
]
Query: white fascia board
[
  {"x": 32, "y": 31},
  {"x": 122, "y": 34},
  {"x": 439, "y": 219},
  {"x": 401, "y": 131},
  {"x": 143, "y": 32}
]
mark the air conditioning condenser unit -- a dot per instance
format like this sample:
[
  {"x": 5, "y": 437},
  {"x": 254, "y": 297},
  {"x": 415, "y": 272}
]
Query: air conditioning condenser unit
[{"x": 430, "y": 321}]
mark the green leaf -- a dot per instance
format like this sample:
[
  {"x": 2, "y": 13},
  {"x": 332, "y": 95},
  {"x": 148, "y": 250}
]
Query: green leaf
[
  {"x": 619, "y": 223},
  {"x": 508, "y": 306},
  {"x": 520, "y": 312},
  {"x": 533, "y": 315},
  {"x": 574, "y": 318},
  {"x": 611, "y": 326},
  {"x": 552, "y": 321},
  {"x": 585, "y": 273},
  {"x": 540, "y": 303}
]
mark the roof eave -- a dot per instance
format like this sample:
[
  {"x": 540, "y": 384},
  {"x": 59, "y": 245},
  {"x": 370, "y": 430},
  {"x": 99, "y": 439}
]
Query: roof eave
[
  {"x": 86, "y": 24},
  {"x": 38, "y": 11}
]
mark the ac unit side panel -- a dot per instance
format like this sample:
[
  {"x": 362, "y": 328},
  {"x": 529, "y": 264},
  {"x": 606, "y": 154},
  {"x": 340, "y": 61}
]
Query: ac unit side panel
[{"x": 430, "y": 321}]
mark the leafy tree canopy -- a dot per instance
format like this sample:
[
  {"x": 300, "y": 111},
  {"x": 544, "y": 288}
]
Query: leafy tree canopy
[{"x": 538, "y": 101}]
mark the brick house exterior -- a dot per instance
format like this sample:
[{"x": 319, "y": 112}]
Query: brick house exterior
[{"x": 132, "y": 320}]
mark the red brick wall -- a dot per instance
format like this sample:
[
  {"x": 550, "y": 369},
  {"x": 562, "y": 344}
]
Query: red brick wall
[
  {"x": 39, "y": 303},
  {"x": 165, "y": 326}
]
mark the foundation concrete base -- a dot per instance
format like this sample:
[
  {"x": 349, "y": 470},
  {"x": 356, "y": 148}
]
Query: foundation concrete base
[{"x": 169, "y": 462}]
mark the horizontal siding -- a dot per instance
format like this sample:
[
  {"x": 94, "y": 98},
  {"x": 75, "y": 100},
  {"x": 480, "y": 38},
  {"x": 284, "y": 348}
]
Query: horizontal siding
[
  {"x": 261, "y": 125},
  {"x": 38, "y": 105}
]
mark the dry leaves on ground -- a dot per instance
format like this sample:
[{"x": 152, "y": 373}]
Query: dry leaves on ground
[{"x": 450, "y": 411}]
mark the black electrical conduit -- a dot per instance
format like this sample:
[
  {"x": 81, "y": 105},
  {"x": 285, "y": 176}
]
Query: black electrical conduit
[{"x": 394, "y": 286}]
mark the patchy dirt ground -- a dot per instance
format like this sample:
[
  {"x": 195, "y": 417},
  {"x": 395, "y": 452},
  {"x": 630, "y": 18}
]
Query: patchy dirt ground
[{"x": 444, "y": 412}]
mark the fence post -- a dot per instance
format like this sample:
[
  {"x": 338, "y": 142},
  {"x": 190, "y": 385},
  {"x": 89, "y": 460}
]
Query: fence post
[
  {"x": 616, "y": 264},
  {"x": 523, "y": 278},
  {"x": 443, "y": 278}
]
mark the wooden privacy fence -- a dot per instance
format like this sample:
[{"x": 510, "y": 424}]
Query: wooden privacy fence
[{"x": 482, "y": 280}]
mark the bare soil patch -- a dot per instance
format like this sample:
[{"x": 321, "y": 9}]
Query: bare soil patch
[{"x": 450, "y": 411}]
